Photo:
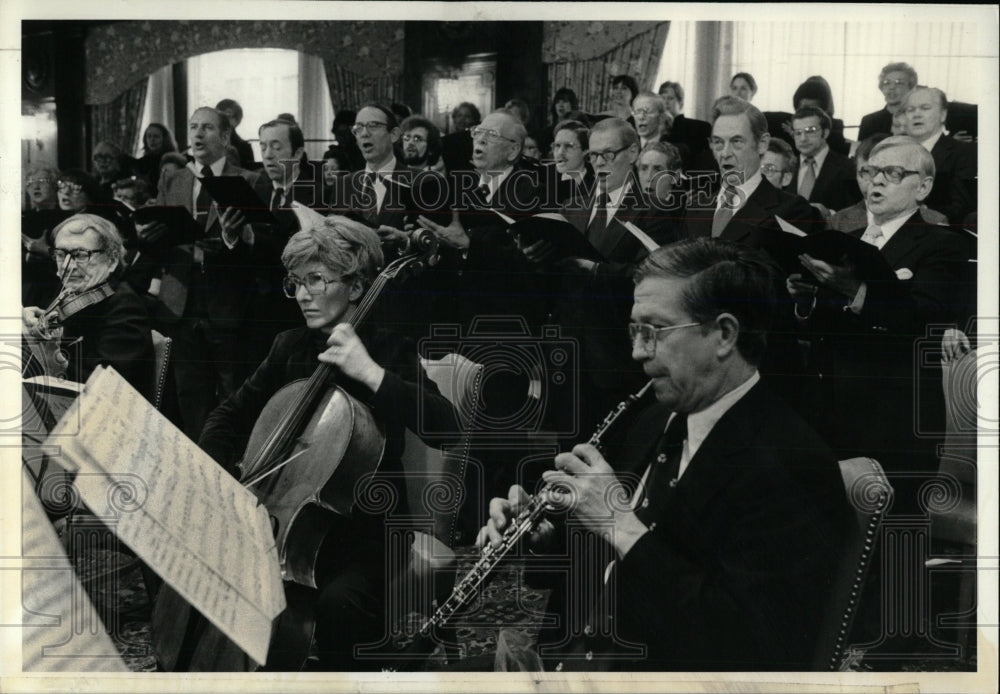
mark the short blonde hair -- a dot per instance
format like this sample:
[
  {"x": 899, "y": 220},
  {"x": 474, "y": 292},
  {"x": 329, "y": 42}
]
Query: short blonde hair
[
  {"x": 349, "y": 249},
  {"x": 925, "y": 162}
]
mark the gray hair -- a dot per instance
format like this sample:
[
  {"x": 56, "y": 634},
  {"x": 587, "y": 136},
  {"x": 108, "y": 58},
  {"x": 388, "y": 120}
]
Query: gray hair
[
  {"x": 348, "y": 248},
  {"x": 111, "y": 240},
  {"x": 925, "y": 162}
]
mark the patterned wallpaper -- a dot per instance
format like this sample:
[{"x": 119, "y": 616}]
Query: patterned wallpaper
[
  {"x": 120, "y": 54},
  {"x": 571, "y": 41}
]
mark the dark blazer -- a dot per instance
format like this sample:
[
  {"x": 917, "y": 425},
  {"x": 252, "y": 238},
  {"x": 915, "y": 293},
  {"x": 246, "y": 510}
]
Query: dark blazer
[
  {"x": 879, "y": 352},
  {"x": 116, "y": 333},
  {"x": 836, "y": 183},
  {"x": 244, "y": 150},
  {"x": 692, "y": 134},
  {"x": 878, "y": 122},
  {"x": 759, "y": 211},
  {"x": 954, "y": 191},
  {"x": 408, "y": 195},
  {"x": 739, "y": 561},
  {"x": 226, "y": 274},
  {"x": 456, "y": 151}
]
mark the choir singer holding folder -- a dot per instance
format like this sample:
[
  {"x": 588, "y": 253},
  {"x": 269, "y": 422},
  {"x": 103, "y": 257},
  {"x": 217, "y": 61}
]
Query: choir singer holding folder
[{"x": 865, "y": 333}]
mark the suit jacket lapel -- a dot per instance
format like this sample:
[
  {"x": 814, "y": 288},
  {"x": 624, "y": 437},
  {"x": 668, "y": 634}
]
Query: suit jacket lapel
[{"x": 907, "y": 238}]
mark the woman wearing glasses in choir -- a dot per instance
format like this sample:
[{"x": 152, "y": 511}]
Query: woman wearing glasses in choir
[
  {"x": 330, "y": 268},
  {"x": 96, "y": 320}
]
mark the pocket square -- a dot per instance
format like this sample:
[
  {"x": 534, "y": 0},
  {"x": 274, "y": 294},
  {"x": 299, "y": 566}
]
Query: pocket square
[{"x": 904, "y": 273}]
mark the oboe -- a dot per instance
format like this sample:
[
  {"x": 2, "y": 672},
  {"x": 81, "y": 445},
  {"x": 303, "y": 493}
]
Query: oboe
[{"x": 527, "y": 520}]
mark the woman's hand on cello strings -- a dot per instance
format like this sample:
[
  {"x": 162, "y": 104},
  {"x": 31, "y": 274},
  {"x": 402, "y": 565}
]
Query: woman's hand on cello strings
[{"x": 347, "y": 352}]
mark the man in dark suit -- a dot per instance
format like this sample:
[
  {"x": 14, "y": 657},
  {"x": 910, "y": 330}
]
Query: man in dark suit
[
  {"x": 456, "y": 146},
  {"x": 244, "y": 152},
  {"x": 895, "y": 80},
  {"x": 711, "y": 536},
  {"x": 746, "y": 202},
  {"x": 691, "y": 133},
  {"x": 825, "y": 178},
  {"x": 954, "y": 193},
  {"x": 206, "y": 289},
  {"x": 865, "y": 332}
]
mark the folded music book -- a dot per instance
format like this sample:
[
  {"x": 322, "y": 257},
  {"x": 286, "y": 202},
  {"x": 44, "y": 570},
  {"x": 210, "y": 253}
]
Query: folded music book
[
  {"x": 235, "y": 192},
  {"x": 181, "y": 226},
  {"x": 557, "y": 230},
  {"x": 788, "y": 242}
]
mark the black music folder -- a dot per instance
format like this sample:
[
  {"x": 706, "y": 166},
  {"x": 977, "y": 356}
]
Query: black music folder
[
  {"x": 786, "y": 243},
  {"x": 556, "y": 229},
  {"x": 234, "y": 191},
  {"x": 181, "y": 226}
]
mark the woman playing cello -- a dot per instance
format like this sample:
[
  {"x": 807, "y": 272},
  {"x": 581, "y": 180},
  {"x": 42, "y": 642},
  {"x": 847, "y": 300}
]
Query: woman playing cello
[{"x": 330, "y": 266}]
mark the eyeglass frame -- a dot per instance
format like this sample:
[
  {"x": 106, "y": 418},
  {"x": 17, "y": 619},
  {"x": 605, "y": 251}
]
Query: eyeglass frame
[
  {"x": 407, "y": 137},
  {"x": 771, "y": 168},
  {"x": 593, "y": 156},
  {"x": 71, "y": 186},
  {"x": 488, "y": 133},
  {"x": 645, "y": 111},
  {"x": 811, "y": 130},
  {"x": 369, "y": 127},
  {"x": 85, "y": 255},
  {"x": 42, "y": 180},
  {"x": 892, "y": 83},
  {"x": 291, "y": 279},
  {"x": 635, "y": 331},
  {"x": 869, "y": 172}
]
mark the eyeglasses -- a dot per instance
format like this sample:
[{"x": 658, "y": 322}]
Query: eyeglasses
[
  {"x": 69, "y": 186},
  {"x": 314, "y": 283},
  {"x": 811, "y": 130},
  {"x": 718, "y": 144},
  {"x": 770, "y": 169},
  {"x": 372, "y": 126},
  {"x": 644, "y": 112},
  {"x": 33, "y": 181},
  {"x": 607, "y": 155},
  {"x": 415, "y": 139},
  {"x": 80, "y": 256},
  {"x": 490, "y": 134},
  {"x": 892, "y": 83},
  {"x": 647, "y": 334},
  {"x": 893, "y": 174}
]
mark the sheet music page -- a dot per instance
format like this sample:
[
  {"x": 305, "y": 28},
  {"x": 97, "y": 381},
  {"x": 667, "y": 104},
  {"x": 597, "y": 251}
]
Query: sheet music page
[
  {"x": 61, "y": 630},
  {"x": 151, "y": 485}
]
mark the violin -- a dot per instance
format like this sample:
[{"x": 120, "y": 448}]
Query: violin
[{"x": 312, "y": 451}]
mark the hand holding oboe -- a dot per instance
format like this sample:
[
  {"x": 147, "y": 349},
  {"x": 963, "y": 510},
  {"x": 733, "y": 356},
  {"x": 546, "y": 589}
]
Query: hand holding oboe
[{"x": 503, "y": 512}]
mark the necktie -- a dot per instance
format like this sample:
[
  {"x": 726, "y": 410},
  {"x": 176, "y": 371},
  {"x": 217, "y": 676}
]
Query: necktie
[
  {"x": 483, "y": 194},
  {"x": 599, "y": 224},
  {"x": 664, "y": 468},
  {"x": 278, "y": 198},
  {"x": 725, "y": 211},
  {"x": 204, "y": 202},
  {"x": 873, "y": 235},
  {"x": 808, "y": 178},
  {"x": 369, "y": 201}
]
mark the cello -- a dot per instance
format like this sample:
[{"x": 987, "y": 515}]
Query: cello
[{"x": 313, "y": 450}]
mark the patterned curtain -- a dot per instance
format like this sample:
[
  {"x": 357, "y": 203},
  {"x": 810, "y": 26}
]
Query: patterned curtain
[
  {"x": 350, "y": 90},
  {"x": 591, "y": 79},
  {"x": 118, "y": 120}
]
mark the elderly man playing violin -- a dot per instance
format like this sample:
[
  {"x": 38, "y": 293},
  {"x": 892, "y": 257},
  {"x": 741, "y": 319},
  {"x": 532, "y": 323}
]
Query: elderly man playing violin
[
  {"x": 330, "y": 269},
  {"x": 96, "y": 319}
]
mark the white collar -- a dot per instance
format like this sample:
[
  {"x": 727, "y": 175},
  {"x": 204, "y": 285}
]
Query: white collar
[
  {"x": 747, "y": 189},
  {"x": 493, "y": 182},
  {"x": 819, "y": 158},
  {"x": 217, "y": 166},
  {"x": 929, "y": 143},
  {"x": 700, "y": 424},
  {"x": 892, "y": 226},
  {"x": 386, "y": 169}
]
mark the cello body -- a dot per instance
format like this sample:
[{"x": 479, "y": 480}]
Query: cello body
[{"x": 335, "y": 458}]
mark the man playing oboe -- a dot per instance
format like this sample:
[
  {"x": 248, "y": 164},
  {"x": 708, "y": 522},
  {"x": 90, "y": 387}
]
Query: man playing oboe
[{"x": 709, "y": 541}]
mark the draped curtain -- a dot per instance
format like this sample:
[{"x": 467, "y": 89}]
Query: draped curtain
[
  {"x": 590, "y": 78},
  {"x": 850, "y": 55},
  {"x": 351, "y": 90},
  {"x": 119, "y": 120}
]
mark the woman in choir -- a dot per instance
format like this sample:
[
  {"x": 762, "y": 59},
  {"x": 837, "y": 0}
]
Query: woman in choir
[
  {"x": 743, "y": 86},
  {"x": 569, "y": 153}
]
